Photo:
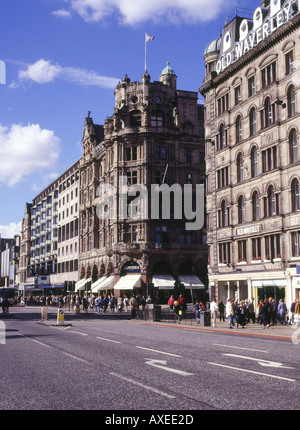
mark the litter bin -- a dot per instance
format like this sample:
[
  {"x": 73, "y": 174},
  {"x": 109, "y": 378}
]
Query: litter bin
[
  {"x": 205, "y": 319},
  {"x": 157, "y": 313}
]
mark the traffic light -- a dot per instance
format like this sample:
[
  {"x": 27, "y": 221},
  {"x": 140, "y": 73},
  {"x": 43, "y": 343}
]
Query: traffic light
[
  {"x": 66, "y": 287},
  {"x": 89, "y": 285},
  {"x": 70, "y": 287}
]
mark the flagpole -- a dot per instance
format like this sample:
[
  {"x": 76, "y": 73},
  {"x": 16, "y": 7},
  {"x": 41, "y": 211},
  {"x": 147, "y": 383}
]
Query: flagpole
[{"x": 145, "y": 53}]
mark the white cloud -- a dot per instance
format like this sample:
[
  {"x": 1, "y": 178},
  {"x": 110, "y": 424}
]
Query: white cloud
[
  {"x": 8, "y": 231},
  {"x": 132, "y": 12},
  {"x": 42, "y": 72},
  {"x": 62, "y": 13},
  {"x": 26, "y": 150}
]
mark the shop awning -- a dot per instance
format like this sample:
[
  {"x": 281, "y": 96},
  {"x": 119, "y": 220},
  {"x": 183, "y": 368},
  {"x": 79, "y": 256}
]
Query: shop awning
[
  {"x": 96, "y": 285},
  {"x": 107, "y": 284},
  {"x": 163, "y": 282},
  {"x": 128, "y": 282},
  {"x": 280, "y": 283},
  {"x": 191, "y": 281},
  {"x": 80, "y": 285}
]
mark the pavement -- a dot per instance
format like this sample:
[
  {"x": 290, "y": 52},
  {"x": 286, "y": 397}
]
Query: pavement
[{"x": 167, "y": 319}]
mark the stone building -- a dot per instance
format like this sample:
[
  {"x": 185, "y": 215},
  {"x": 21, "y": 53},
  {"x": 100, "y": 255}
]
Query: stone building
[
  {"x": 252, "y": 126},
  {"x": 49, "y": 237},
  {"x": 23, "y": 271},
  {"x": 155, "y": 136}
]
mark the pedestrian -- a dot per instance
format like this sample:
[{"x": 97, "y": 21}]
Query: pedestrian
[
  {"x": 120, "y": 304},
  {"x": 273, "y": 311},
  {"x": 292, "y": 311},
  {"x": 282, "y": 310},
  {"x": 297, "y": 313},
  {"x": 240, "y": 315},
  {"x": 265, "y": 313},
  {"x": 213, "y": 312},
  {"x": 171, "y": 302},
  {"x": 221, "y": 308},
  {"x": 197, "y": 311},
  {"x": 251, "y": 312},
  {"x": 126, "y": 304},
  {"x": 229, "y": 313},
  {"x": 97, "y": 305}
]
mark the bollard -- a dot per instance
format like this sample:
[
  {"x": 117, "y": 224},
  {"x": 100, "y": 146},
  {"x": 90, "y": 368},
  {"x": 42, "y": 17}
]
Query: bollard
[
  {"x": 60, "y": 316},
  {"x": 44, "y": 315}
]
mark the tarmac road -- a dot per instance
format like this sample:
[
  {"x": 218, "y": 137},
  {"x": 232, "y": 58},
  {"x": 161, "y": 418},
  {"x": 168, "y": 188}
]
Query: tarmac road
[{"x": 112, "y": 364}]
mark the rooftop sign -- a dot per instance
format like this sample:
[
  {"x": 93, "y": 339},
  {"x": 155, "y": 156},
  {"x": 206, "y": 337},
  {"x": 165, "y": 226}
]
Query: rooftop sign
[{"x": 265, "y": 22}]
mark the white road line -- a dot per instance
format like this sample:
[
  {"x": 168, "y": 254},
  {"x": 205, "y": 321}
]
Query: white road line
[
  {"x": 252, "y": 371},
  {"x": 146, "y": 387},
  {"x": 78, "y": 332},
  {"x": 36, "y": 341},
  {"x": 266, "y": 363},
  {"x": 161, "y": 364},
  {"x": 76, "y": 358},
  {"x": 160, "y": 352},
  {"x": 239, "y": 347},
  {"x": 108, "y": 340}
]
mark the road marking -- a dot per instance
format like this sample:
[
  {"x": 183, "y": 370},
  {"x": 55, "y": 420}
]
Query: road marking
[
  {"x": 146, "y": 387},
  {"x": 161, "y": 364},
  {"x": 239, "y": 347},
  {"x": 160, "y": 352},
  {"x": 265, "y": 363},
  {"x": 252, "y": 371},
  {"x": 108, "y": 340},
  {"x": 36, "y": 341},
  {"x": 76, "y": 358},
  {"x": 78, "y": 332}
]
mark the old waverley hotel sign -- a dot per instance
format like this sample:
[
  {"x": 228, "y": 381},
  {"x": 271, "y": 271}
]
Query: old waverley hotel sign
[{"x": 252, "y": 33}]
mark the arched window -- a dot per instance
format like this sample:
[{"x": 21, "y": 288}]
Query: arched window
[
  {"x": 268, "y": 114},
  {"x": 252, "y": 120},
  {"x": 254, "y": 162},
  {"x": 255, "y": 206},
  {"x": 241, "y": 210},
  {"x": 291, "y": 101},
  {"x": 271, "y": 201},
  {"x": 295, "y": 196},
  {"x": 293, "y": 146},
  {"x": 238, "y": 129},
  {"x": 223, "y": 220},
  {"x": 239, "y": 167},
  {"x": 222, "y": 137}
]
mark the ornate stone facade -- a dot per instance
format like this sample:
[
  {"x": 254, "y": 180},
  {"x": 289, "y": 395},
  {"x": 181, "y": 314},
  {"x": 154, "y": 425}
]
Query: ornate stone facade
[
  {"x": 153, "y": 137},
  {"x": 253, "y": 156}
]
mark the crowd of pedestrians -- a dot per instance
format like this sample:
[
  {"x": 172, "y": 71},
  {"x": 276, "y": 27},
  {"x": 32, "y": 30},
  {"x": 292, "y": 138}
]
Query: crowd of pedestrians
[{"x": 268, "y": 312}]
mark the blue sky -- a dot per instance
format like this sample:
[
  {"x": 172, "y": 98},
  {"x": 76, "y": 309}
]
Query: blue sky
[{"x": 64, "y": 58}]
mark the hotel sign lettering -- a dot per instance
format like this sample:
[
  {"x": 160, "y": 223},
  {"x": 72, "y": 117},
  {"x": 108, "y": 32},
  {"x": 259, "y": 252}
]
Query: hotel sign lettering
[{"x": 263, "y": 27}]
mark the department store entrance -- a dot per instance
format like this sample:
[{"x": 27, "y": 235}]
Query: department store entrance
[{"x": 276, "y": 292}]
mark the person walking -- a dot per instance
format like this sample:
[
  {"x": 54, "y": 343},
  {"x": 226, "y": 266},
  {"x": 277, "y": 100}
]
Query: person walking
[
  {"x": 251, "y": 311},
  {"x": 292, "y": 311},
  {"x": 171, "y": 302},
  {"x": 282, "y": 310},
  {"x": 213, "y": 312},
  {"x": 240, "y": 315},
  {"x": 221, "y": 308},
  {"x": 265, "y": 313},
  {"x": 297, "y": 313},
  {"x": 197, "y": 311},
  {"x": 229, "y": 313}
]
